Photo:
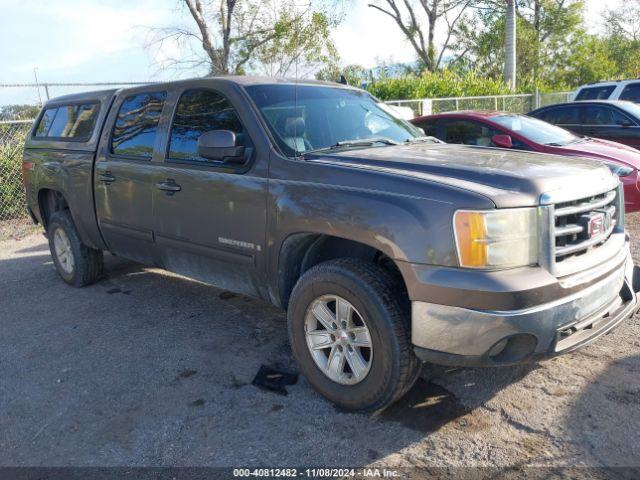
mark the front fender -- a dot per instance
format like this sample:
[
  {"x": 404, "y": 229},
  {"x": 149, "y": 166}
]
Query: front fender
[
  {"x": 408, "y": 219},
  {"x": 403, "y": 227}
]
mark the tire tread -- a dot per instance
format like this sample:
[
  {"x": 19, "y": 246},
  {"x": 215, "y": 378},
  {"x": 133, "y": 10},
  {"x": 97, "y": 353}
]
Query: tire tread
[
  {"x": 90, "y": 265},
  {"x": 383, "y": 286}
]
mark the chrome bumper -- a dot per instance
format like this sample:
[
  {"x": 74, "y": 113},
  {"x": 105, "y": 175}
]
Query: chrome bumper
[{"x": 460, "y": 336}]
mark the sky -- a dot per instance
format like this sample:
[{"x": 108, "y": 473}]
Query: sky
[{"x": 106, "y": 40}]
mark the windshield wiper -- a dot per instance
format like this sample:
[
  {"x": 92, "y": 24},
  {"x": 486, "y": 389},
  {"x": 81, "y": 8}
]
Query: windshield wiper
[
  {"x": 425, "y": 139},
  {"x": 365, "y": 142},
  {"x": 360, "y": 142}
]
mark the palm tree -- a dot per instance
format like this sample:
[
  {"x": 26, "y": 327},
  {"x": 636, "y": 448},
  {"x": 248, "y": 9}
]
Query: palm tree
[{"x": 510, "y": 45}]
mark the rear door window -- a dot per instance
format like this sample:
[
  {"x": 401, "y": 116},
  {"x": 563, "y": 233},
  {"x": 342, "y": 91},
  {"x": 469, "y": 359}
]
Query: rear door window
[
  {"x": 595, "y": 93},
  {"x": 200, "y": 111},
  {"x": 549, "y": 115},
  {"x": 562, "y": 115},
  {"x": 74, "y": 122},
  {"x": 631, "y": 92},
  {"x": 136, "y": 125}
]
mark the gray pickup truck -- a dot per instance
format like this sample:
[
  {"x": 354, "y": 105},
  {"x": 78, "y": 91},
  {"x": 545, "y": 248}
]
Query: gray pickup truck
[{"x": 386, "y": 248}]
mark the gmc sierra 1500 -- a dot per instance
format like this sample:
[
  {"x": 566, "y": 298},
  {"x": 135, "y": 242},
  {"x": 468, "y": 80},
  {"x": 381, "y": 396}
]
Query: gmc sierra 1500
[{"x": 386, "y": 248}]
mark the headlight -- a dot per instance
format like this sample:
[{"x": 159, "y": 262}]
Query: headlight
[{"x": 496, "y": 238}]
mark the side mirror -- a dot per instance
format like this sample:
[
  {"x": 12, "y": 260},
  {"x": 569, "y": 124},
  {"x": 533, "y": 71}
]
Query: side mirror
[
  {"x": 220, "y": 145},
  {"x": 626, "y": 124},
  {"x": 502, "y": 141}
]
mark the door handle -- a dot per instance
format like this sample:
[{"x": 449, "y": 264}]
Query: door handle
[
  {"x": 107, "y": 177},
  {"x": 170, "y": 186}
]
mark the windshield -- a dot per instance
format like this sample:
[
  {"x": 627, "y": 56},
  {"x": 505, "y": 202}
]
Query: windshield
[
  {"x": 536, "y": 130},
  {"x": 309, "y": 117}
]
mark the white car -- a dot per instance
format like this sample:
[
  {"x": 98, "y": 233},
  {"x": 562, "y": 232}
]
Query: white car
[{"x": 613, "y": 90}]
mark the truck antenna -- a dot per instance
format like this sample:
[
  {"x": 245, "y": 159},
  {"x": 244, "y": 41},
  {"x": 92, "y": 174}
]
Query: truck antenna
[{"x": 295, "y": 100}]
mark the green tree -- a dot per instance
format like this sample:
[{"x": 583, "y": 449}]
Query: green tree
[
  {"x": 622, "y": 27},
  {"x": 589, "y": 61},
  {"x": 236, "y": 36},
  {"x": 355, "y": 75},
  {"x": 418, "y": 21},
  {"x": 624, "y": 21},
  {"x": 546, "y": 34},
  {"x": 444, "y": 83},
  {"x": 299, "y": 46}
]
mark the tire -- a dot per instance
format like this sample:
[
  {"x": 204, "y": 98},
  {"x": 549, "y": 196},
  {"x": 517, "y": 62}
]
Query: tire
[
  {"x": 77, "y": 264},
  {"x": 393, "y": 367}
]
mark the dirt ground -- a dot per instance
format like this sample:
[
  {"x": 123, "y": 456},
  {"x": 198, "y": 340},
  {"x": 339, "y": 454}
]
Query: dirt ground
[{"x": 149, "y": 368}]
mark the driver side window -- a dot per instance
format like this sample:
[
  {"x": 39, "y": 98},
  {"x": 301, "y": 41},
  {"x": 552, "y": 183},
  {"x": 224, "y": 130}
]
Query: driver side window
[
  {"x": 200, "y": 111},
  {"x": 467, "y": 132}
]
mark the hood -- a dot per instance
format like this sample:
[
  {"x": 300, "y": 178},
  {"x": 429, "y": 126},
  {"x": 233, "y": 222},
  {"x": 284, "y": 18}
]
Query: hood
[
  {"x": 509, "y": 178},
  {"x": 606, "y": 150}
]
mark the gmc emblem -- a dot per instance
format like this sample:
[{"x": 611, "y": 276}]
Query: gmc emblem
[
  {"x": 596, "y": 225},
  {"x": 600, "y": 221}
]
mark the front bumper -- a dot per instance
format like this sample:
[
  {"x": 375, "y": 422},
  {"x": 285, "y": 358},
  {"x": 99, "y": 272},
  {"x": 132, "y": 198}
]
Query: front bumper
[{"x": 462, "y": 336}]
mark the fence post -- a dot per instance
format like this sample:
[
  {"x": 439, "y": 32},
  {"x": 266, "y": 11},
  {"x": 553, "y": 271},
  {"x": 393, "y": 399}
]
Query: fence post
[
  {"x": 427, "y": 106},
  {"x": 46, "y": 90},
  {"x": 536, "y": 98}
]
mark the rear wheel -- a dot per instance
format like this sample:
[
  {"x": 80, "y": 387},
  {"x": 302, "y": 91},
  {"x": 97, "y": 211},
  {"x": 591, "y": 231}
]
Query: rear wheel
[
  {"x": 77, "y": 264},
  {"x": 350, "y": 336}
]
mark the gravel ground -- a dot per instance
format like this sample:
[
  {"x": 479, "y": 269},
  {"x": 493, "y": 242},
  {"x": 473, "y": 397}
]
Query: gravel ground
[{"x": 149, "y": 368}]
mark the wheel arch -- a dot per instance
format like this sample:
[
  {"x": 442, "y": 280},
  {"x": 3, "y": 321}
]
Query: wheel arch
[
  {"x": 50, "y": 201},
  {"x": 301, "y": 251}
]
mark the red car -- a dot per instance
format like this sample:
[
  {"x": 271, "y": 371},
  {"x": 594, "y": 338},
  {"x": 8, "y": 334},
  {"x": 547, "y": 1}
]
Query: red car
[{"x": 510, "y": 130}]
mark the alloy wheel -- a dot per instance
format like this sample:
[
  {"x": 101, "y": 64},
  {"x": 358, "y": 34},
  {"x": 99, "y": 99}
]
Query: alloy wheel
[{"x": 338, "y": 339}]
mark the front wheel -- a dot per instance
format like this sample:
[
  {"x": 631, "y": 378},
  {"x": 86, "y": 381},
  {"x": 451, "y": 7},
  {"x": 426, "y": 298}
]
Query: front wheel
[
  {"x": 77, "y": 264},
  {"x": 350, "y": 335}
]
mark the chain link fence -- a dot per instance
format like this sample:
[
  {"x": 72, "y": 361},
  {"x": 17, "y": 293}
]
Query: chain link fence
[
  {"x": 14, "y": 219},
  {"x": 521, "y": 103}
]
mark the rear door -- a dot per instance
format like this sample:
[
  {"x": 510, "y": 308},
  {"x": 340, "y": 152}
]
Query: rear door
[
  {"x": 126, "y": 164},
  {"x": 212, "y": 225},
  {"x": 565, "y": 116}
]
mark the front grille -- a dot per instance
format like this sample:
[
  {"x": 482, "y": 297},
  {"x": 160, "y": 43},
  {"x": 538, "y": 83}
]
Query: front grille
[{"x": 584, "y": 224}]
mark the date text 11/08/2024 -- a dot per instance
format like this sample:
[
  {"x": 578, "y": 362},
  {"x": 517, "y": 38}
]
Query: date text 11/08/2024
[{"x": 316, "y": 472}]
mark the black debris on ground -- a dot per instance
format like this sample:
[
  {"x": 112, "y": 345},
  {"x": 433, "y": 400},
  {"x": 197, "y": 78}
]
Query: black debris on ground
[{"x": 274, "y": 380}]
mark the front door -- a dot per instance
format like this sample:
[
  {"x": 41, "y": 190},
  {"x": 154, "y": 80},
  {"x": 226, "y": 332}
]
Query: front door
[
  {"x": 610, "y": 124},
  {"x": 210, "y": 217},
  {"x": 124, "y": 174}
]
